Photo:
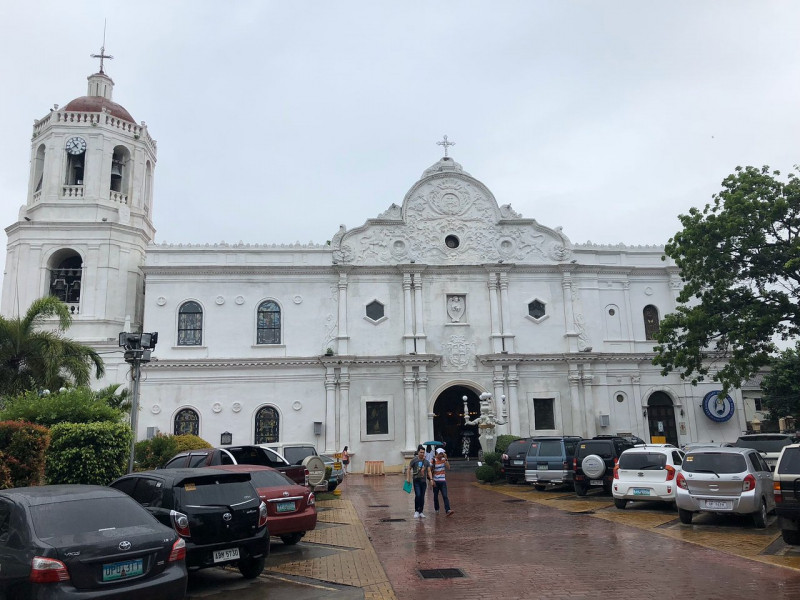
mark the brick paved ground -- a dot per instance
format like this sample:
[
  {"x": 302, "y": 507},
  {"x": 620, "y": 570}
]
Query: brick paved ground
[{"x": 512, "y": 544}]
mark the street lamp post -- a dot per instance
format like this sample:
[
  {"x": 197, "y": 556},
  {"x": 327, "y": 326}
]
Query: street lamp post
[{"x": 138, "y": 347}]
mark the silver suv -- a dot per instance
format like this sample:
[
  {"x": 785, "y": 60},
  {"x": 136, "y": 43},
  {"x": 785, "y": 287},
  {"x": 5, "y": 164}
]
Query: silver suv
[
  {"x": 725, "y": 480},
  {"x": 787, "y": 493}
]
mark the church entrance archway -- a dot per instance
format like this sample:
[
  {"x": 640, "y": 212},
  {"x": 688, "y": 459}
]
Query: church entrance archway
[
  {"x": 661, "y": 419},
  {"x": 448, "y": 421}
]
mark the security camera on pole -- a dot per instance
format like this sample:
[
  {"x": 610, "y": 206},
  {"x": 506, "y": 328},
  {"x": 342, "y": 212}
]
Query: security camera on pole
[{"x": 138, "y": 347}]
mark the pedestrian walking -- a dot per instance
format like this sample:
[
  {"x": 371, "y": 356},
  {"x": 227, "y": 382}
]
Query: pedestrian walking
[
  {"x": 345, "y": 459},
  {"x": 440, "y": 463},
  {"x": 429, "y": 453},
  {"x": 419, "y": 473}
]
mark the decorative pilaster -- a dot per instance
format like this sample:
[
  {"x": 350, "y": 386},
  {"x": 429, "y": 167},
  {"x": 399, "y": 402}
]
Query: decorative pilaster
[
  {"x": 344, "y": 409},
  {"x": 409, "y": 412},
  {"x": 419, "y": 316},
  {"x": 505, "y": 304},
  {"x": 330, "y": 410},
  {"x": 512, "y": 379},
  {"x": 342, "y": 337},
  {"x": 498, "y": 380},
  {"x": 408, "y": 314},
  {"x": 569, "y": 311},
  {"x": 426, "y": 428},
  {"x": 578, "y": 423},
  {"x": 494, "y": 312}
]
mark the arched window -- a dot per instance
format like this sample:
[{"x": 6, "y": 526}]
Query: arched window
[
  {"x": 120, "y": 174},
  {"x": 650, "y": 314},
  {"x": 268, "y": 323},
  {"x": 38, "y": 170},
  {"x": 267, "y": 425},
  {"x": 187, "y": 421},
  {"x": 190, "y": 324},
  {"x": 66, "y": 274}
]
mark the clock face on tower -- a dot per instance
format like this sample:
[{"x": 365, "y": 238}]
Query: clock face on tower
[{"x": 76, "y": 145}]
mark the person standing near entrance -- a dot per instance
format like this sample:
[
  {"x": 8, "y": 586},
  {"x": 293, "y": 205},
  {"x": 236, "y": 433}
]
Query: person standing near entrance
[
  {"x": 418, "y": 473},
  {"x": 440, "y": 463},
  {"x": 345, "y": 459}
]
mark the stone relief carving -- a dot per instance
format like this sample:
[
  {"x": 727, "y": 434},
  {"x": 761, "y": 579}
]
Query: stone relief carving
[
  {"x": 458, "y": 354},
  {"x": 393, "y": 212},
  {"x": 445, "y": 207},
  {"x": 456, "y": 307}
]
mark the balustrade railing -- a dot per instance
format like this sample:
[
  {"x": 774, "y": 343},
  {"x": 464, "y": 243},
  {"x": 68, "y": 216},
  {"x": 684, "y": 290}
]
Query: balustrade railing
[
  {"x": 118, "y": 197},
  {"x": 72, "y": 191}
]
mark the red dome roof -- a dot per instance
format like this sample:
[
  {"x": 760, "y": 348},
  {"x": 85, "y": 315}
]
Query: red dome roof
[{"x": 97, "y": 104}]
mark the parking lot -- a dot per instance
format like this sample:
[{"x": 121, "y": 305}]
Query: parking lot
[{"x": 515, "y": 542}]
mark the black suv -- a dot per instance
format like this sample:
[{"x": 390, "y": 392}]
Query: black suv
[
  {"x": 787, "y": 493},
  {"x": 218, "y": 514},
  {"x": 595, "y": 460},
  {"x": 514, "y": 460}
]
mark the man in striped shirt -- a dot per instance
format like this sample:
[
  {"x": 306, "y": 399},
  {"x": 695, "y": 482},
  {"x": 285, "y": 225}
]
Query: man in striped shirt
[{"x": 440, "y": 463}]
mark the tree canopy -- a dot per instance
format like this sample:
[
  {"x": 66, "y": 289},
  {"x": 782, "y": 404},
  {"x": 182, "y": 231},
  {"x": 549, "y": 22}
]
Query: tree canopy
[
  {"x": 740, "y": 263},
  {"x": 781, "y": 385},
  {"x": 35, "y": 354}
]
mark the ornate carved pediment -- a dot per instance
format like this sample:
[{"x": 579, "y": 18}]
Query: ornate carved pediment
[{"x": 451, "y": 218}]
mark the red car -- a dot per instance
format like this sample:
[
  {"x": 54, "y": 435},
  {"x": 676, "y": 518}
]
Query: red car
[{"x": 291, "y": 508}]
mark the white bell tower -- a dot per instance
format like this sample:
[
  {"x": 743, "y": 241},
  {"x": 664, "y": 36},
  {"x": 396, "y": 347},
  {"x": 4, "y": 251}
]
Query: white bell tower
[{"x": 87, "y": 220}]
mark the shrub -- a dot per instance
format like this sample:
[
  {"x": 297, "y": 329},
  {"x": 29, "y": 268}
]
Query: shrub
[
  {"x": 492, "y": 458},
  {"x": 486, "y": 473},
  {"x": 89, "y": 453},
  {"x": 503, "y": 441},
  {"x": 74, "y": 405},
  {"x": 22, "y": 448},
  {"x": 153, "y": 453},
  {"x": 188, "y": 441}
]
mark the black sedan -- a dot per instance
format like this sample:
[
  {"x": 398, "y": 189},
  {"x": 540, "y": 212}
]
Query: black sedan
[{"x": 87, "y": 542}]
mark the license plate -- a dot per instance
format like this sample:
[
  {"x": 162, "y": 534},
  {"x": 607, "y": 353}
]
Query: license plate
[
  {"x": 516, "y": 462},
  {"x": 227, "y": 554},
  {"x": 543, "y": 467},
  {"x": 123, "y": 569},
  {"x": 718, "y": 504},
  {"x": 641, "y": 492},
  {"x": 596, "y": 482},
  {"x": 285, "y": 507}
]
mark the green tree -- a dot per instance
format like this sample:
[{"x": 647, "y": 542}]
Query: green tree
[
  {"x": 781, "y": 385},
  {"x": 740, "y": 263},
  {"x": 35, "y": 355},
  {"x": 73, "y": 405}
]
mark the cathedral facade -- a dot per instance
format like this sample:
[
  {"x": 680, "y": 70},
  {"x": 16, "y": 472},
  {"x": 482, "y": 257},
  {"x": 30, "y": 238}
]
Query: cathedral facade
[{"x": 379, "y": 340}]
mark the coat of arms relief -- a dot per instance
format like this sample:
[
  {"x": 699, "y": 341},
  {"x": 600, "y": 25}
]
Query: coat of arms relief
[{"x": 458, "y": 354}]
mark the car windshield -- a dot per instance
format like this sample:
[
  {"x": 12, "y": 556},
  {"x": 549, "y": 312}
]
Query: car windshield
[
  {"x": 213, "y": 491},
  {"x": 264, "y": 479},
  {"x": 642, "y": 460},
  {"x": 550, "y": 448},
  {"x": 765, "y": 443},
  {"x": 296, "y": 454},
  {"x": 87, "y": 515},
  {"x": 603, "y": 449},
  {"x": 790, "y": 462},
  {"x": 714, "y": 462}
]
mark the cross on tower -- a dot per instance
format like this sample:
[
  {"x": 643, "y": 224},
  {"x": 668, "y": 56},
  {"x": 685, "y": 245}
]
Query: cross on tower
[
  {"x": 445, "y": 143},
  {"x": 102, "y": 54}
]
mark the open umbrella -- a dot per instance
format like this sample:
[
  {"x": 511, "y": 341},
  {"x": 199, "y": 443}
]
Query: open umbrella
[{"x": 433, "y": 443}]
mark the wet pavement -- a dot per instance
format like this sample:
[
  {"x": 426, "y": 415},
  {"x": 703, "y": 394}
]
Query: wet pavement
[{"x": 513, "y": 542}]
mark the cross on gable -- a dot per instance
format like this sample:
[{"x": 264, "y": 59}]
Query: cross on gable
[
  {"x": 445, "y": 143},
  {"x": 102, "y": 54}
]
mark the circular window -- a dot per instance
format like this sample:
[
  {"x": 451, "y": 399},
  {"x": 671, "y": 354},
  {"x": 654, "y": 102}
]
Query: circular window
[
  {"x": 452, "y": 241},
  {"x": 620, "y": 398},
  {"x": 612, "y": 312}
]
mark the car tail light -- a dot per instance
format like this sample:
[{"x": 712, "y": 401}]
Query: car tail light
[
  {"x": 574, "y": 464},
  {"x": 178, "y": 550},
  {"x": 262, "y": 515},
  {"x": 749, "y": 483},
  {"x": 312, "y": 500},
  {"x": 681, "y": 481},
  {"x": 776, "y": 488},
  {"x": 306, "y": 474},
  {"x": 48, "y": 570},
  {"x": 180, "y": 523},
  {"x": 616, "y": 471},
  {"x": 670, "y": 472}
]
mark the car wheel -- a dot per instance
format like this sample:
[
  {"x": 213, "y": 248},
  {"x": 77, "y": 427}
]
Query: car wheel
[
  {"x": 291, "y": 539},
  {"x": 511, "y": 480},
  {"x": 580, "y": 489},
  {"x": 540, "y": 488},
  {"x": 685, "y": 516},
  {"x": 620, "y": 503},
  {"x": 332, "y": 485},
  {"x": 593, "y": 466},
  {"x": 250, "y": 568},
  {"x": 791, "y": 536},
  {"x": 760, "y": 517}
]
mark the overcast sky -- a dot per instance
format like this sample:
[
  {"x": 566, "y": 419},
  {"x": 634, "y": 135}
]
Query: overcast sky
[{"x": 278, "y": 121}]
